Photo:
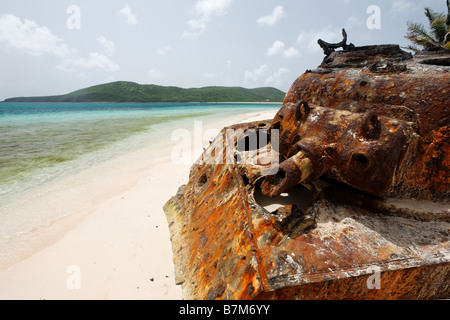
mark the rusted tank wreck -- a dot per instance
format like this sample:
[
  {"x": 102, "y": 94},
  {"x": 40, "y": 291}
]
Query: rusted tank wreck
[{"x": 343, "y": 195}]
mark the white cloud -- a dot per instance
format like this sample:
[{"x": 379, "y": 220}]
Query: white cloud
[
  {"x": 130, "y": 17},
  {"x": 291, "y": 53},
  {"x": 263, "y": 76},
  {"x": 156, "y": 74},
  {"x": 276, "y": 79},
  {"x": 276, "y": 48},
  {"x": 307, "y": 40},
  {"x": 257, "y": 74},
  {"x": 164, "y": 50},
  {"x": 209, "y": 8},
  {"x": 205, "y": 11},
  {"x": 402, "y": 6},
  {"x": 198, "y": 29},
  {"x": 353, "y": 21},
  {"x": 28, "y": 37},
  {"x": 95, "y": 60},
  {"x": 272, "y": 19},
  {"x": 108, "y": 46}
]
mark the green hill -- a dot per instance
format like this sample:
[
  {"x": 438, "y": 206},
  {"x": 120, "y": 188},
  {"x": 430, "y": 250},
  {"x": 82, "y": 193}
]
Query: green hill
[{"x": 132, "y": 92}]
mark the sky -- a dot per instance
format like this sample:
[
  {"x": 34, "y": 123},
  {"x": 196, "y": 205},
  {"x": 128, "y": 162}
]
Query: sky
[{"x": 50, "y": 47}]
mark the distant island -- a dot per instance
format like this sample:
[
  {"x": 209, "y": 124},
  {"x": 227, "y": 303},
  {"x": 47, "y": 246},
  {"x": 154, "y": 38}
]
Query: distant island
[{"x": 123, "y": 91}]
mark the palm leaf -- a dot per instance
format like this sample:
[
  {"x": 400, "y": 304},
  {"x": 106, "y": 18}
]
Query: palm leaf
[
  {"x": 447, "y": 41},
  {"x": 432, "y": 15},
  {"x": 438, "y": 34},
  {"x": 418, "y": 35},
  {"x": 439, "y": 28},
  {"x": 448, "y": 15},
  {"x": 412, "y": 48}
]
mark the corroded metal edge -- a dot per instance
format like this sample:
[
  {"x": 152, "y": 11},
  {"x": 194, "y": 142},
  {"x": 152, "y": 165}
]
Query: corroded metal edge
[
  {"x": 239, "y": 255},
  {"x": 226, "y": 246}
]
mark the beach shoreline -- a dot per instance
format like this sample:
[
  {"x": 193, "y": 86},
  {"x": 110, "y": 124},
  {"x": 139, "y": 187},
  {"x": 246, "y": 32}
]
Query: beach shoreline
[{"x": 116, "y": 245}]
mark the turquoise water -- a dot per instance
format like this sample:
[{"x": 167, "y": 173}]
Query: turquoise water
[
  {"x": 48, "y": 152},
  {"x": 39, "y": 141}
]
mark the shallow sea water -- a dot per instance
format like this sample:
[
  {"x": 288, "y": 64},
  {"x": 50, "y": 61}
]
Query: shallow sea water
[
  {"x": 45, "y": 147},
  {"x": 40, "y": 141}
]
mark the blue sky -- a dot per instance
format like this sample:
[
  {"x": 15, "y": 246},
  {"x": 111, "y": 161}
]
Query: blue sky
[{"x": 53, "y": 47}]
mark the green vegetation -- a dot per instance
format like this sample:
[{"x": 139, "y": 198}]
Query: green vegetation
[
  {"x": 132, "y": 92},
  {"x": 438, "y": 35}
]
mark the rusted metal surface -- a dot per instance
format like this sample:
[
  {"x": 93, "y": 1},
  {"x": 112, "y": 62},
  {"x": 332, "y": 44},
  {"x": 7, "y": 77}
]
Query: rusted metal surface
[
  {"x": 419, "y": 94},
  {"x": 211, "y": 232},
  {"x": 329, "y": 48},
  {"x": 361, "y": 186},
  {"x": 360, "y": 149}
]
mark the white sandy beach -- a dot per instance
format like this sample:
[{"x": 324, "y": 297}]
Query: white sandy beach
[{"x": 115, "y": 240}]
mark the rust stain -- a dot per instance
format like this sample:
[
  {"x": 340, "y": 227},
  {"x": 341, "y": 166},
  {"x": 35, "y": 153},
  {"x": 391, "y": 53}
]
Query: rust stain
[{"x": 367, "y": 137}]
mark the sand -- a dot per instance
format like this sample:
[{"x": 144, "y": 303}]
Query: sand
[{"x": 115, "y": 242}]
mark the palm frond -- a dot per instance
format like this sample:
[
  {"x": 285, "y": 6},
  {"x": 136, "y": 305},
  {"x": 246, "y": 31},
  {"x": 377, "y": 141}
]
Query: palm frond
[
  {"x": 448, "y": 15},
  {"x": 447, "y": 39},
  {"x": 437, "y": 35},
  {"x": 418, "y": 35},
  {"x": 412, "y": 48},
  {"x": 439, "y": 28},
  {"x": 432, "y": 15}
]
